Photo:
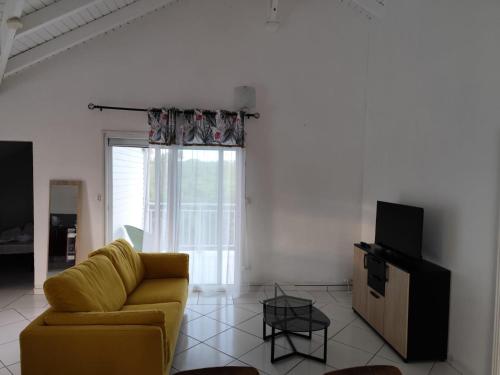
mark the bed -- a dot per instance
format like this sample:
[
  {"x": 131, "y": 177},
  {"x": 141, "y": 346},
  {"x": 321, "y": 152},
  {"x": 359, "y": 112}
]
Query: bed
[
  {"x": 18, "y": 240},
  {"x": 15, "y": 247}
]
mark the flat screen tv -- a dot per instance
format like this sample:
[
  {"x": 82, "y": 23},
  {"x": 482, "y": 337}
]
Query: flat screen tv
[{"x": 399, "y": 228}]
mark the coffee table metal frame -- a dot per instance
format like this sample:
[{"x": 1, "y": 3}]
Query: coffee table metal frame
[{"x": 301, "y": 304}]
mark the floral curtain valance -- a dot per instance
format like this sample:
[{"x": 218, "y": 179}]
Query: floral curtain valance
[{"x": 170, "y": 126}]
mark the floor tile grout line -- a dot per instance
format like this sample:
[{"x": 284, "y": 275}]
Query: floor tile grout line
[
  {"x": 220, "y": 351},
  {"x": 453, "y": 367},
  {"x": 249, "y": 364},
  {"x": 191, "y": 347},
  {"x": 261, "y": 344},
  {"x": 259, "y": 337},
  {"x": 352, "y": 346},
  {"x": 230, "y": 326},
  {"x": 298, "y": 363},
  {"x": 374, "y": 355},
  {"x": 18, "y": 298},
  {"x": 17, "y": 321},
  {"x": 24, "y": 316},
  {"x": 432, "y": 367},
  {"x": 243, "y": 321},
  {"x": 347, "y": 325},
  {"x": 9, "y": 342},
  {"x": 331, "y": 295},
  {"x": 237, "y": 358},
  {"x": 185, "y": 350},
  {"x": 227, "y": 329}
]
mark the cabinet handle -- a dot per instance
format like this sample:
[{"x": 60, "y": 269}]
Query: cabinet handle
[
  {"x": 386, "y": 274},
  {"x": 374, "y": 294},
  {"x": 364, "y": 262}
]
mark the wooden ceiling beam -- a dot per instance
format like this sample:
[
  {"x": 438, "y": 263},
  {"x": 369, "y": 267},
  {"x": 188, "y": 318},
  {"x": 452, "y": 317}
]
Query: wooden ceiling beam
[{"x": 83, "y": 33}]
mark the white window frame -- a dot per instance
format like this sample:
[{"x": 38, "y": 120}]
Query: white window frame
[
  {"x": 131, "y": 138},
  {"x": 139, "y": 139}
]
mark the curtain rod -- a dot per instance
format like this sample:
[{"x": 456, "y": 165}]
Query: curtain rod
[{"x": 93, "y": 106}]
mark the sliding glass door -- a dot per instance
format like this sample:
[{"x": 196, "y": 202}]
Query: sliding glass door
[{"x": 188, "y": 200}]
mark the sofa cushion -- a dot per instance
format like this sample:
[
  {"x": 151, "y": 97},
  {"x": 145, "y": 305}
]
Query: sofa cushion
[
  {"x": 93, "y": 285},
  {"x": 126, "y": 261},
  {"x": 173, "y": 319},
  {"x": 160, "y": 290}
]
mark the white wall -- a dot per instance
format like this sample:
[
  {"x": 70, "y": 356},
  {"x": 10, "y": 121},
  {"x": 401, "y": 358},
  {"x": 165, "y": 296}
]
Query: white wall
[
  {"x": 304, "y": 156},
  {"x": 432, "y": 140}
]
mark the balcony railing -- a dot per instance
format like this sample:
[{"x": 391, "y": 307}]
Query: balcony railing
[{"x": 197, "y": 225}]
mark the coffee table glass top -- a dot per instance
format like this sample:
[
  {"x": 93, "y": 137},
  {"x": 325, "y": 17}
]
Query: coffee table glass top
[
  {"x": 282, "y": 299},
  {"x": 294, "y": 314}
]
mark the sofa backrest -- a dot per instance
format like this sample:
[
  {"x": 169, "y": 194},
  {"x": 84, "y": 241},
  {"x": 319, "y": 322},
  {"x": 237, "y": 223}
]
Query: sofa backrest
[
  {"x": 93, "y": 285},
  {"x": 126, "y": 261}
]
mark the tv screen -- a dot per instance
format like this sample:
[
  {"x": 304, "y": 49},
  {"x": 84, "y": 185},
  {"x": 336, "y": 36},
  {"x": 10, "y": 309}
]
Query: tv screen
[{"x": 399, "y": 228}]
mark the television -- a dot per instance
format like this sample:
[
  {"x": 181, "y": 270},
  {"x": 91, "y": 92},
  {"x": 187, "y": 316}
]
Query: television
[{"x": 399, "y": 228}]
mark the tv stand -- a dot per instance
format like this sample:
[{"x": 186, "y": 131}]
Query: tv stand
[{"x": 405, "y": 300}]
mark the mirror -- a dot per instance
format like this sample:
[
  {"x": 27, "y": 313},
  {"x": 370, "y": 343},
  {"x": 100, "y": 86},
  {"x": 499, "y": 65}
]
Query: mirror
[{"x": 64, "y": 215}]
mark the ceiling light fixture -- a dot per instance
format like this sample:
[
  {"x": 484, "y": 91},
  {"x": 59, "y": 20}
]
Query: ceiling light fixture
[
  {"x": 14, "y": 23},
  {"x": 272, "y": 22}
]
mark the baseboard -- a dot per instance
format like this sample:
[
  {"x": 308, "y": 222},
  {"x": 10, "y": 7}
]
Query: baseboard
[{"x": 306, "y": 287}]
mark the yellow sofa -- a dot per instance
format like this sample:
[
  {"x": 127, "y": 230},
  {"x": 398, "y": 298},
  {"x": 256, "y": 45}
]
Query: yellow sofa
[{"x": 119, "y": 312}]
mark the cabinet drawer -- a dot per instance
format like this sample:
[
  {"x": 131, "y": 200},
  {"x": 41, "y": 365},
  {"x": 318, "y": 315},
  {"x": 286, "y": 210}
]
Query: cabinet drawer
[{"x": 375, "y": 310}]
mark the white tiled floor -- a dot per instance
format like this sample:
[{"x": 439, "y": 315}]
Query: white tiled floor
[
  {"x": 18, "y": 306},
  {"x": 219, "y": 330}
]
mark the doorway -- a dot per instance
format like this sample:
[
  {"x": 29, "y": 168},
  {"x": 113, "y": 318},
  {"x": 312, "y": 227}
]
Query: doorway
[{"x": 16, "y": 214}]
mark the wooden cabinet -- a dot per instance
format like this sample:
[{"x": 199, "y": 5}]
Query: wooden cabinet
[
  {"x": 397, "y": 293},
  {"x": 407, "y": 304},
  {"x": 375, "y": 310},
  {"x": 359, "y": 283}
]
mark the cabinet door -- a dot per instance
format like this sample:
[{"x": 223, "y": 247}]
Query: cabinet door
[
  {"x": 375, "y": 310},
  {"x": 359, "y": 283},
  {"x": 397, "y": 294}
]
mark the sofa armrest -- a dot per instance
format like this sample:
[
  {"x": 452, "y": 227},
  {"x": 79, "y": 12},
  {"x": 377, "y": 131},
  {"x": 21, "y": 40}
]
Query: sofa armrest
[
  {"x": 112, "y": 318},
  {"x": 93, "y": 349},
  {"x": 165, "y": 265}
]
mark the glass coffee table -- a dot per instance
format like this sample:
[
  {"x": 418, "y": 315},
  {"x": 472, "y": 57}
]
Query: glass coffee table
[{"x": 293, "y": 316}]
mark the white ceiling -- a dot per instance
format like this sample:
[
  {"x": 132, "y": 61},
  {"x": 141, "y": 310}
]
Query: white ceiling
[
  {"x": 26, "y": 41},
  {"x": 53, "y": 26}
]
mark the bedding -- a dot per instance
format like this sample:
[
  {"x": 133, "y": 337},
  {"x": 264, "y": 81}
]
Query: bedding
[
  {"x": 16, "y": 248},
  {"x": 17, "y": 240}
]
